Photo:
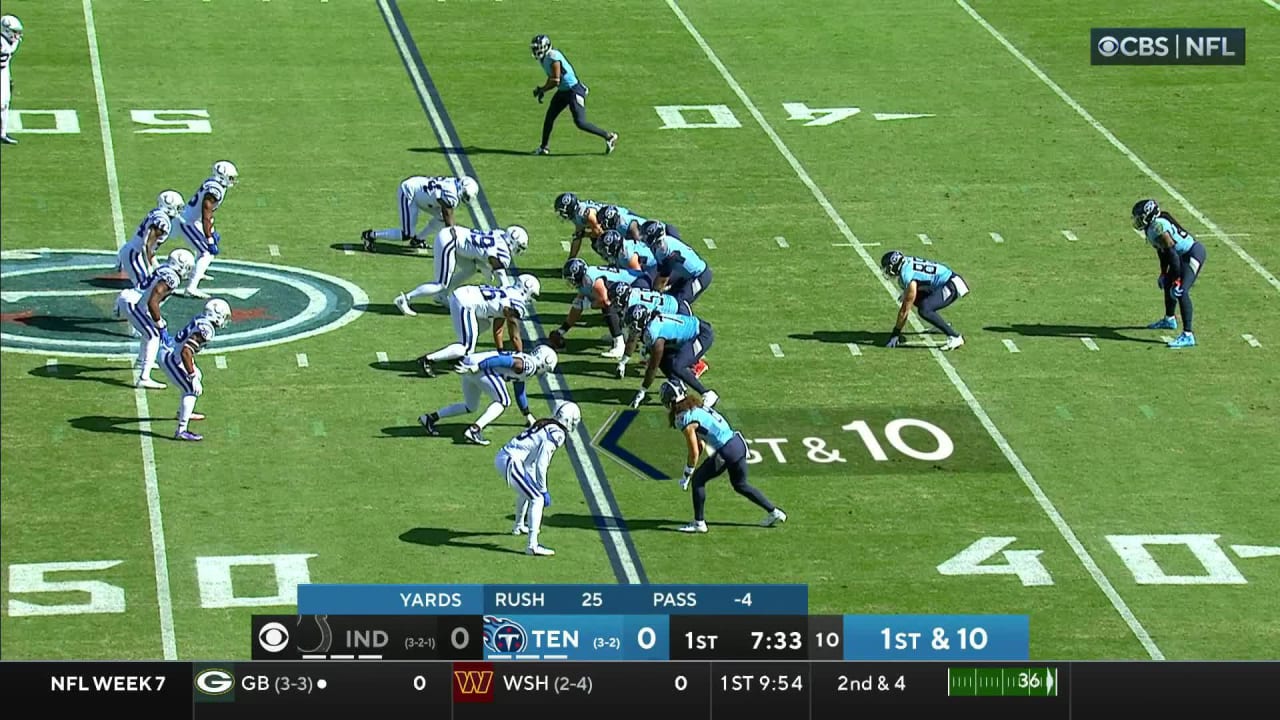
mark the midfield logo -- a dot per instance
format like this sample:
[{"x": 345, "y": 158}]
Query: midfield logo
[{"x": 473, "y": 682}]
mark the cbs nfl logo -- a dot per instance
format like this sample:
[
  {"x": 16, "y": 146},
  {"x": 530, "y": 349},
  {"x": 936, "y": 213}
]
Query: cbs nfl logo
[{"x": 1167, "y": 46}]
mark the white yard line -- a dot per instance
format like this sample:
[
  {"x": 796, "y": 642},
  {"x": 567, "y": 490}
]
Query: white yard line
[
  {"x": 1253, "y": 341},
  {"x": 160, "y": 555},
  {"x": 854, "y": 350},
  {"x": 1011, "y": 346},
  {"x": 1124, "y": 149},
  {"x": 997, "y": 237},
  {"x": 302, "y": 360},
  {"x": 1089, "y": 343},
  {"x": 220, "y": 362},
  {"x": 1069, "y": 535},
  {"x": 924, "y": 239},
  {"x": 613, "y": 531},
  {"x": 382, "y": 357},
  {"x": 710, "y": 242},
  {"x": 782, "y": 242},
  {"x": 776, "y": 349},
  {"x": 1272, "y": 3},
  {"x": 1069, "y": 235}
]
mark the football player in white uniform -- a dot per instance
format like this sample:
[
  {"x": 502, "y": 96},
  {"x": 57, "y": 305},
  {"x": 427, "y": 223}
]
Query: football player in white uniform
[
  {"x": 488, "y": 373},
  {"x": 439, "y": 196},
  {"x": 141, "y": 306},
  {"x": 523, "y": 462},
  {"x": 469, "y": 304},
  {"x": 10, "y": 39},
  {"x": 180, "y": 361},
  {"x": 137, "y": 257},
  {"x": 461, "y": 253},
  {"x": 197, "y": 221}
]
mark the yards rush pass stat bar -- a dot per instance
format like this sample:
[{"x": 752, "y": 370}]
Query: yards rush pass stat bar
[
  {"x": 590, "y": 637},
  {"x": 553, "y": 599}
]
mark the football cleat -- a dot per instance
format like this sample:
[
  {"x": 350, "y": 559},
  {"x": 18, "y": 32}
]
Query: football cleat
[
  {"x": 710, "y": 398},
  {"x": 149, "y": 384},
  {"x": 7, "y": 140},
  {"x": 610, "y": 143},
  {"x": 1169, "y": 323},
  {"x": 366, "y": 238},
  {"x": 697, "y": 526},
  {"x": 196, "y": 416},
  {"x": 520, "y": 529},
  {"x": 430, "y": 425},
  {"x": 188, "y": 436},
  {"x": 425, "y": 365},
  {"x": 1185, "y": 340},
  {"x": 953, "y": 343},
  {"x": 474, "y": 435},
  {"x": 417, "y": 243},
  {"x": 773, "y": 518},
  {"x": 617, "y": 351},
  {"x": 621, "y": 370},
  {"x": 542, "y": 150},
  {"x": 402, "y": 304},
  {"x": 541, "y": 550},
  {"x": 700, "y": 367}
]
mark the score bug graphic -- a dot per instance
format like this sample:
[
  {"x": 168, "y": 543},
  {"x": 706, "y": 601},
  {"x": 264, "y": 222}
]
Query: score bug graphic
[{"x": 503, "y": 637}]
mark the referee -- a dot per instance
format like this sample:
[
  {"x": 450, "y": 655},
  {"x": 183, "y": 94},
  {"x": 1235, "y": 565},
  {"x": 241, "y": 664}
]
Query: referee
[{"x": 569, "y": 93}]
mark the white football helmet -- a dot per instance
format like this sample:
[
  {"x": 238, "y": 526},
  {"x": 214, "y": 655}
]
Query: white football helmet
[
  {"x": 547, "y": 359},
  {"x": 10, "y": 27},
  {"x": 171, "y": 202},
  {"x": 182, "y": 261},
  {"x": 468, "y": 189},
  {"x": 518, "y": 238},
  {"x": 225, "y": 173},
  {"x": 568, "y": 415},
  {"x": 530, "y": 285},
  {"x": 218, "y": 312}
]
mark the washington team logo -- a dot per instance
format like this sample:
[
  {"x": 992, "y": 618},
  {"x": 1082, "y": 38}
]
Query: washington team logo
[
  {"x": 504, "y": 636},
  {"x": 62, "y": 302}
]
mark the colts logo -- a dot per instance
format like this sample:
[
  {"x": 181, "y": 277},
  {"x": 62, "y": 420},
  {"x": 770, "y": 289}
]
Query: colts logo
[{"x": 504, "y": 635}]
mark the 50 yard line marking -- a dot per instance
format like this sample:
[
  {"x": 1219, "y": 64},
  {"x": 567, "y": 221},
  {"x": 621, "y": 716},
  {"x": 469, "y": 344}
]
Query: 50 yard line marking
[
  {"x": 164, "y": 597},
  {"x": 1043, "y": 500},
  {"x": 612, "y": 529},
  {"x": 1124, "y": 149}
]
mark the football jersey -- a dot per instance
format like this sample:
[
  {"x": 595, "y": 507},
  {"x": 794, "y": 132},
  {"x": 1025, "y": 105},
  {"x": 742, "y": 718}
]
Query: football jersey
[
  {"x": 676, "y": 257},
  {"x": 626, "y": 217},
  {"x": 507, "y": 373},
  {"x": 193, "y": 212},
  {"x": 674, "y": 329},
  {"x": 580, "y": 218},
  {"x": 478, "y": 245},
  {"x": 532, "y": 441},
  {"x": 610, "y": 275},
  {"x": 433, "y": 193},
  {"x": 654, "y": 300},
  {"x": 712, "y": 428},
  {"x": 7, "y": 49},
  {"x": 157, "y": 219},
  {"x": 198, "y": 333},
  {"x": 928, "y": 274},
  {"x": 1182, "y": 240},
  {"x": 165, "y": 273},
  {"x": 488, "y": 302},
  {"x": 635, "y": 247},
  {"x": 568, "y": 78}
]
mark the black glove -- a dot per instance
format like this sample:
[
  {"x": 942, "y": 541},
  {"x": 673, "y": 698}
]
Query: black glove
[{"x": 538, "y": 92}]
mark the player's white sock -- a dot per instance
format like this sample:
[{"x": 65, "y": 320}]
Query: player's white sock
[
  {"x": 388, "y": 234},
  {"x": 147, "y": 357},
  {"x": 203, "y": 261},
  {"x": 451, "y": 410},
  {"x": 535, "y": 520},
  {"x": 490, "y": 414},
  {"x": 455, "y": 351},
  {"x": 4, "y": 120},
  {"x": 431, "y": 289},
  {"x": 522, "y": 508},
  {"x": 185, "y": 408}
]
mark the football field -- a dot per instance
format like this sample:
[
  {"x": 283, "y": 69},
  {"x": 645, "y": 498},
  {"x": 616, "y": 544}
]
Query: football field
[{"x": 1064, "y": 464}]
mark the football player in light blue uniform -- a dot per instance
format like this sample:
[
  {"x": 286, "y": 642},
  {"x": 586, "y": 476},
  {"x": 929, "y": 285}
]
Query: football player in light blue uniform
[
  {"x": 582, "y": 213},
  {"x": 629, "y": 224},
  {"x": 681, "y": 271},
  {"x": 928, "y": 286},
  {"x": 626, "y": 253},
  {"x": 626, "y": 296},
  {"x": 523, "y": 464},
  {"x": 488, "y": 373},
  {"x": 726, "y": 450},
  {"x": 197, "y": 222},
  {"x": 592, "y": 284},
  {"x": 179, "y": 361},
  {"x": 1181, "y": 256},
  {"x": 569, "y": 93},
  {"x": 674, "y": 343}
]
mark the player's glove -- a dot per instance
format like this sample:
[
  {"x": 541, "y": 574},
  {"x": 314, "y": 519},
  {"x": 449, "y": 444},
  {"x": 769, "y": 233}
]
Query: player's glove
[
  {"x": 1161, "y": 281},
  {"x": 686, "y": 477},
  {"x": 214, "y": 240},
  {"x": 468, "y": 366},
  {"x": 529, "y": 419},
  {"x": 546, "y": 498},
  {"x": 894, "y": 338},
  {"x": 639, "y": 398},
  {"x": 1178, "y": 291},
  {"x": 621, "y": 370},
  {"x": 538, "y": 93},
  {"x": 165, "y": 337}
]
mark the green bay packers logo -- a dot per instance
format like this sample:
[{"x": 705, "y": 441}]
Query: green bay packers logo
[{"x": 62, "y": 302}]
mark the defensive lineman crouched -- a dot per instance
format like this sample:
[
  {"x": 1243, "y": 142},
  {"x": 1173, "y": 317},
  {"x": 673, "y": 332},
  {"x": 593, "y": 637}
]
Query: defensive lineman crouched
[
  {"x": 523, "y": 464},
  {"x": 726, "y": 450},
  {"x": 137, "y": 258},
  {"x": 141, "y": 306},
  {"x": 471, "y": 303},
  {"x": 180, "y": 361},
  {"x": 439, "y": 196},
  {"x": 488, "y": 373},
  {"x": 460, "y": 253},
  {"x": 927, "y": 285},
  {"x": 197, "y": 221}
]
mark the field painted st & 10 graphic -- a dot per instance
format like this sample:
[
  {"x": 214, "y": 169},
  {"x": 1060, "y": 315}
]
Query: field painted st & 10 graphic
[{"x": 62, "y": 302}]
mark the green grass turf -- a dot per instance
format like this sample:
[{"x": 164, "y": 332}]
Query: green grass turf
[{"x": 313, "y": 103}]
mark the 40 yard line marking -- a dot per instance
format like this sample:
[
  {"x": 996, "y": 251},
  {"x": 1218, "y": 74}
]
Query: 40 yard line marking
[
  {"x": 1082, "y": 553},
  {"x": 164, "y": 597},
  {"x": 1124, "y": 149},
  {"x": 610, "y": 525}
]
